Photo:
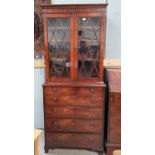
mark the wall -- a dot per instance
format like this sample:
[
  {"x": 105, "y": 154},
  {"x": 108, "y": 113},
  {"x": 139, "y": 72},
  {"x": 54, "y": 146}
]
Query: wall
[
  {"x": 38, "y": 97},
  {"x": 113, "y": 33},
  {"x": 113, "y": 51}
]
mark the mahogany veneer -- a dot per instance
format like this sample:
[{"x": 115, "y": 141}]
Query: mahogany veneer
[
  {"x": 73, "y": 140},
  {"x": 74, "y": 41},
  {"x": 74, "y": 115},
  {"x": 73, "y": 112}
]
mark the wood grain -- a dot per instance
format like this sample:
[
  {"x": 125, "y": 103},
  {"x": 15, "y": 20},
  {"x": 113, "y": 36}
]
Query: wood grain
[
  {"x": 73, "y": 112},
  {"x": 74, "y": 125},
  {"x": 81, "y": 91},
  {"x": 73, "y": 106},
  {"x": 114, "y": 111},
  {"x": 73, "y": 140}
]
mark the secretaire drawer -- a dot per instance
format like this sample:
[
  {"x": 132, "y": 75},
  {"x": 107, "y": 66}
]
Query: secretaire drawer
[
  {"x": 73, "y": 125},
  {"x": 72, "y": 140},
  {"x": 85, "y": 91},
  {"x": 74, "y": 100},
  {"x": 73, "y": 112}
]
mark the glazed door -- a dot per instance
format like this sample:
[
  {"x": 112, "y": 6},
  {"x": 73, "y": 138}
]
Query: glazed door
[
  {"x": 59, "y": 47},
  {"x": 89, "y": 45}
]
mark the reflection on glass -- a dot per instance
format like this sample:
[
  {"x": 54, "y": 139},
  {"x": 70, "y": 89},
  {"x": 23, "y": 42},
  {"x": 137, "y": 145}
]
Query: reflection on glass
[
  {"x": 59, "y": 47},
  {"x": 88, "y": 47}
]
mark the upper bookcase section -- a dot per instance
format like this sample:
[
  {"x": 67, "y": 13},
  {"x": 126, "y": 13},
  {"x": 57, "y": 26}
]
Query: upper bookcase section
[{"x": 74, "y": 41}]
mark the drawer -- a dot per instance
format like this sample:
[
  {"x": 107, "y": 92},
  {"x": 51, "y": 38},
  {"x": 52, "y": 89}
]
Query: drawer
[
  {"x": 73, "y": 140},
  {"x": 73, "y": 112},
  {"x": 115, "y": 108},
  {"x": 74, "y": 125},
  {"x": 115, "y": 129},
  {"x": 115, "y": 98},
  {"x": 74, "y": 100},
  {"x": 91, "y": 91}
]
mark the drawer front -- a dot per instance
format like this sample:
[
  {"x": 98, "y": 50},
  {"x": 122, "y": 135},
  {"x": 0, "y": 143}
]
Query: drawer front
[
  {"x": 71, "y": 140},
  {"x": 115, "y": 129},
  {"x": 115, "y": 98},
  {"x": 74, "y": 100},
  {"x": 73, "y": 125},
  {"x": 73, "y": 112},
  {"x": 92, "y": 91},
  {"x": 115, "y": 108}
]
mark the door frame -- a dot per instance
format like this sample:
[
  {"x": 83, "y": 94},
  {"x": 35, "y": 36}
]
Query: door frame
[
  {"x": 45, "y": 28},
  {"x": 102, "y": 45}
]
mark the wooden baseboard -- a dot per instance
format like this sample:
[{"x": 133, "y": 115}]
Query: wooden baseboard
[{"x": 108, "y": 63}]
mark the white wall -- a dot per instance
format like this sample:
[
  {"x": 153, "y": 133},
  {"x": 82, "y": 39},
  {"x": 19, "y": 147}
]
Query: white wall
[
  {"x": 113, "y": 33},
  {"x": 113, "y": 50},
  {"x": 38, "y": 97}
]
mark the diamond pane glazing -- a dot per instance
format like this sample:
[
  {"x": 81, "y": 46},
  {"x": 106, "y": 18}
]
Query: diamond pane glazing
[
  {"x": 88, "y": 47},
  {"x": 59, "y": 47}
]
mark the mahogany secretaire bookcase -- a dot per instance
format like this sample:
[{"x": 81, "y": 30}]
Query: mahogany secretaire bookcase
[{"x": 74, "y": 42}]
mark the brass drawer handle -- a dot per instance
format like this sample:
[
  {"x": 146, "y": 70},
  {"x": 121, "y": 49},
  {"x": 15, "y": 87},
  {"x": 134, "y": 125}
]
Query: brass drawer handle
[
  {"x": 54, "y": 89},
  {"x": 55, "y": 99},
  {"x": 92, "y": 99},
  {"x": 92, "y": 90},
  {"x": 91, "y": 110},
  {"x": 111, "y": 98},
  {"x": 54, "y": 110},
  {"x": 91, "y": 140}
]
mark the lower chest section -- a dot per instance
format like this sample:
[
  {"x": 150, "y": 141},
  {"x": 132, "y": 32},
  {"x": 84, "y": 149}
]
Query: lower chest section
[{"x": 74, "y": 117}]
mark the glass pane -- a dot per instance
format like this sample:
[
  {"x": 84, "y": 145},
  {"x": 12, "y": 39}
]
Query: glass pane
[
  {"x": 88, "y": 47},
  {"x": 59, "y": 47}
]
